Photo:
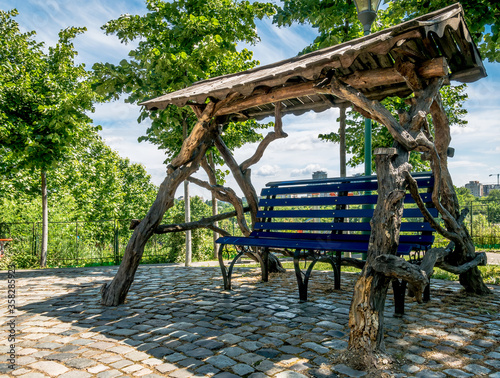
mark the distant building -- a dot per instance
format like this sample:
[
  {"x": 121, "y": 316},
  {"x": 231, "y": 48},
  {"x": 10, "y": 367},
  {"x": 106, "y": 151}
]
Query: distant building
[
  {"x": 489, "y": 187},
  {"x": 475, "y": 187},
  {"x": 319, "y": 175}
]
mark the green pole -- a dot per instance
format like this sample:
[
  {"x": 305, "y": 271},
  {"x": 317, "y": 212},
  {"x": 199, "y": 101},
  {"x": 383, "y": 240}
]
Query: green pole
[
  {"x": 368, "y": 147},
  {"x": 368, "y": 155}
]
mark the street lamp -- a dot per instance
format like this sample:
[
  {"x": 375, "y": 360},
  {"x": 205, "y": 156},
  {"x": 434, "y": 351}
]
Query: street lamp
[
  {"x": 498, "y": 175},
  {"x": 367, "y": 12}
]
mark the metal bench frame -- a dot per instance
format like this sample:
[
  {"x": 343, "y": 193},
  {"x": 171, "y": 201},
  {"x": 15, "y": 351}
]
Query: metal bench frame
[{"x": 348, "y": 230}]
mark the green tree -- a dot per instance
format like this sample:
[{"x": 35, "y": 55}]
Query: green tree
[
  {"x": 44, "y": 100},
  {"x": 337, "y": 22},
  {"x": 181, "y": 42}
]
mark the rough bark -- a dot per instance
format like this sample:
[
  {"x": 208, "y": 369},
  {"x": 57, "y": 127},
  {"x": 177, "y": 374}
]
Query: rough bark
[
  {"x": 184, "y": 165},
  {"x": 366, "y": 316},
  {"x": 209, "y": 222}
]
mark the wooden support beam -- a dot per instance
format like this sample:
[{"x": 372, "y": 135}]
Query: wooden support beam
[
  {"x": 361, "y": 79},
  {"x": 388, "y": 76}
]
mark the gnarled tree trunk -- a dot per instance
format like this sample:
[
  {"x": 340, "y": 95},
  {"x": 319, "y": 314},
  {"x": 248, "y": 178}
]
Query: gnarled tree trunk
[
  {"x": 366, "y": 317},
  {"x": 184, "y": 165}
]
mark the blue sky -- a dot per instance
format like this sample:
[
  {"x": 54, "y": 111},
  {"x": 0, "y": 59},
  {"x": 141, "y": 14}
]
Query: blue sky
[{"x": 477, "y": 146}]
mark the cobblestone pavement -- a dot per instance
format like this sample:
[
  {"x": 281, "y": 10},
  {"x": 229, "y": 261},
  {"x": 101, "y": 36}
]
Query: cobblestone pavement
[{"x": 177, "y": 322}]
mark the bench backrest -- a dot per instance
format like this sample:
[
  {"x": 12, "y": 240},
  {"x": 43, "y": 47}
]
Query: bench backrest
[{"x": 338, "y": 209}]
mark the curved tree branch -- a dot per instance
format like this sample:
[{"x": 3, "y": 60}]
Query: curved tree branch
[
  {"x": 396, "y": 267},
  {"x": 413, "y": 187},
  {"x": 202, "y": 223},
  {"x": 480, "y": 259},
  {"x": 227, "y": 195},
  {"x": 272, "y": 136}
]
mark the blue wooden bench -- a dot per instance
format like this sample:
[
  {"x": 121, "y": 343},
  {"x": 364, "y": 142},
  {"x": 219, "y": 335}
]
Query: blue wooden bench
[{"x": 318, "y": 220}]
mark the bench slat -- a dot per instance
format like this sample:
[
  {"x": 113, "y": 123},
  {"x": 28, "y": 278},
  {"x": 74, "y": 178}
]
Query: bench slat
[
  {"x": 333, "y": 187},
  {"x": 344, "y": 213},
  {"x": 415, "y": 175},
  {"x": 331, "y": 200},
  {"x": 422, "y": 240},
  {"x": 332, "y": 226},
  {"x": 305, "y": 244}
]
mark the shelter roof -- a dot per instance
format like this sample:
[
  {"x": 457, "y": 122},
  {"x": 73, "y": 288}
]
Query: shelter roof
[{"x": 438, "y": 40}]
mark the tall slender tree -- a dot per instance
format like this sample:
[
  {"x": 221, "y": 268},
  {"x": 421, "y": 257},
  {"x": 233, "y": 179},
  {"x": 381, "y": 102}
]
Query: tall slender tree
[{"x": 44, "y": 100}]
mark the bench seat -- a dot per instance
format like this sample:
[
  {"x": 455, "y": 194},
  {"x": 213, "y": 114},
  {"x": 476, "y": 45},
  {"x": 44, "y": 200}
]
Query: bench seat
[{"x": 322, "y": 219}]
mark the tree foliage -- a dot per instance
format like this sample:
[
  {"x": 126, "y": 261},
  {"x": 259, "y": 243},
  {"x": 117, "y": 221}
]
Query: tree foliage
[
  {"x": 337, "y": 22},
  {"x": 179, "y": 43},
  {"x": 44, "y": 97}
]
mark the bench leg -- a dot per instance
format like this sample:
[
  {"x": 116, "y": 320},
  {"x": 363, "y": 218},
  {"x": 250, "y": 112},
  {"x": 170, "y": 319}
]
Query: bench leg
[
  {"x": 227, "y": 280},
  {"x": 264, "y": 264},
  {"x": 337, "y": 269},
  {"x": 298, "y": 273},
  {"x": 227, "y": 273},
  {"x": 427, "y": 293},
  {"x": 399, "y": 288}
]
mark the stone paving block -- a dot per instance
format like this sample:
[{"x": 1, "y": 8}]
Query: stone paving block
[
  {"x": 430, "y": 374},
  {"x": 137, "y": 356},
  {"x": 242, "y": 369},
  {"x": 269, "y": 367},
  {"x": 190, "y": 363},
  {"x": 181, "y": 373},
  {"x": 75, "y": 374},
  {"x": 250, "y": 345},
  {"x": 97, "y": 369},
  {"x": 109, "y": 374},
  {"x": 477, "y": 369},
  {"x": 207, "y": 370},
  {"x": 200, "y": 353},
  {"x": 165, "y": 368},
  {"x": 229, "y": 338},
  {"x": 143, "y": 372},
  {"x": 343, "y": 369},
  {"x": 290, "y": 374},
  {"x": 209, "y": 344},
  {"x": 50, "y": 367},
  {"x": 315, "y": 347},
  {"x": 33, "y": 375},
  {"x": 457, "y": 373},
  {"x": 131, "y": 368},
  {"x": 249, "y": 358},
  {"x": 121, "y": 364},
  {"x": 175, "y": 357},
  {"x": 160, "y": 352},
  {"x": 220, "y": 361}
]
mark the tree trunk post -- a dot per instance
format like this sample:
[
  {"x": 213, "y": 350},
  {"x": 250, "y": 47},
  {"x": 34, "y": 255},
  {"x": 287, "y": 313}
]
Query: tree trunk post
[
  {"x": 215, "y": 209},
  {"x": 366, "y": 316},
  {"x": 45, "y": 221},
  {"x": 187, "y": 209},
  {"x": 182, "y": 166}
]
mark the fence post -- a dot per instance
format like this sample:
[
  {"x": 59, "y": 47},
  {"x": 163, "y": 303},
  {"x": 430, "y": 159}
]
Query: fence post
[
  {"x": 471, "y": 221},
  {"x": 76, "y": 242},
  {"x": 116, "y": 244}
]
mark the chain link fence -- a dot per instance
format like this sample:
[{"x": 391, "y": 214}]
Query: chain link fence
[
  {"x": 78, "y": 243},
  {"x": 103, "y": 242}
]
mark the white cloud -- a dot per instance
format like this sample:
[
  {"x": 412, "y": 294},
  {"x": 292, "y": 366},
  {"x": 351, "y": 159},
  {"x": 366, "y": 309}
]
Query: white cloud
[
  {"x": 268, "y": 170},
  {"x": 307, "y": 171}
]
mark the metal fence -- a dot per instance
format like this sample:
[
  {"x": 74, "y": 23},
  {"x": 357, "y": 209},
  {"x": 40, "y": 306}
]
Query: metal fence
[
  {"x": 78, "y": 243},
  {"x": 103, "y": 242},
  {"x": 483, "y": 222}
]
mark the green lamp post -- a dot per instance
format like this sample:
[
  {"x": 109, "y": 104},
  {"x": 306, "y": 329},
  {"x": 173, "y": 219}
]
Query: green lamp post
[{"x": 367, "y": 12}]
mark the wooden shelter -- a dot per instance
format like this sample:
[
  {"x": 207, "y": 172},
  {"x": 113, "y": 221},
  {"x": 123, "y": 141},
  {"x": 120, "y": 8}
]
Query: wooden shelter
[
  {"x": 439, "y": 44},
  {"x": 414, "y": 58}
]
